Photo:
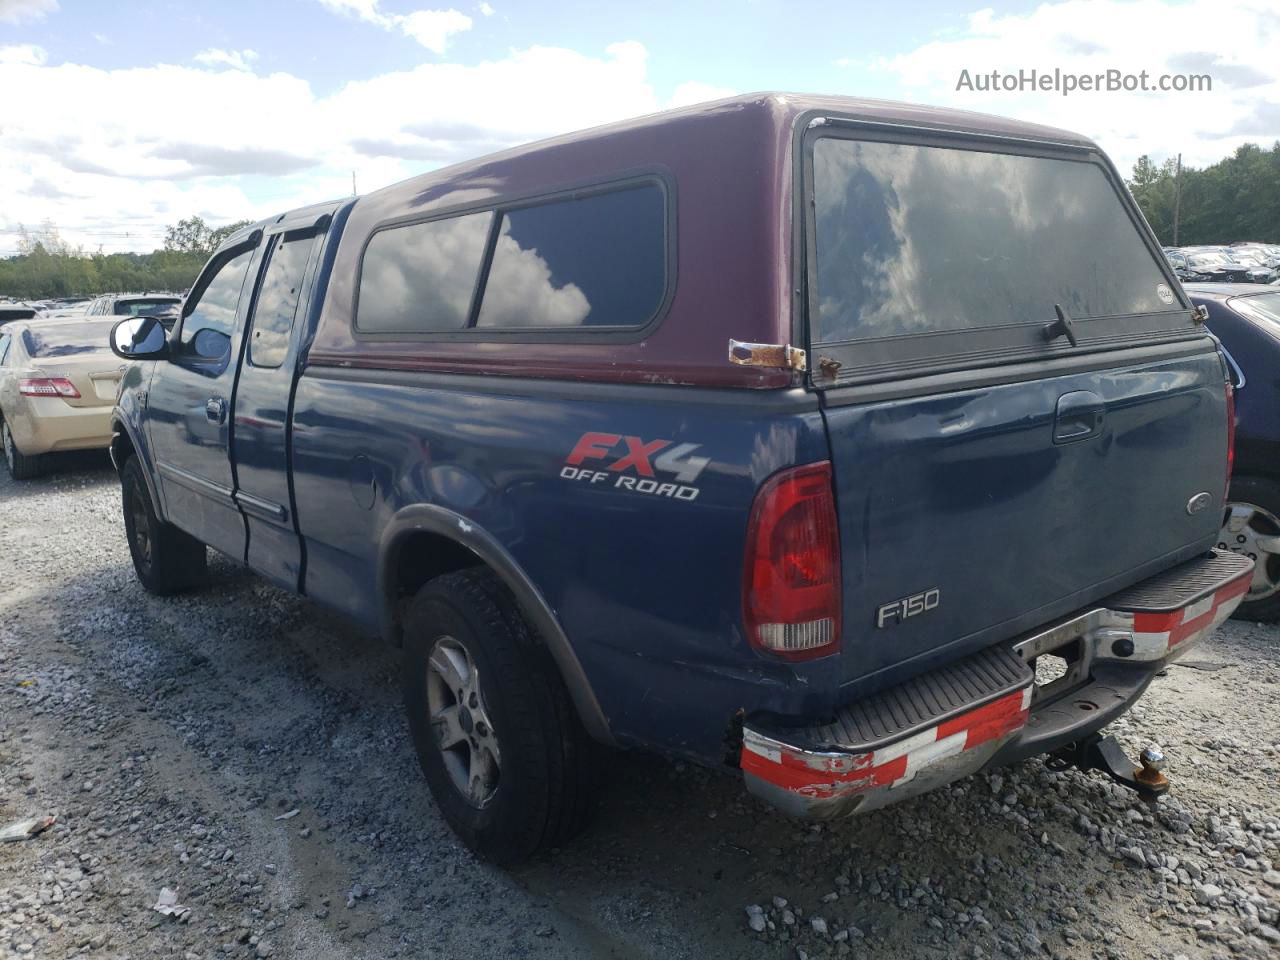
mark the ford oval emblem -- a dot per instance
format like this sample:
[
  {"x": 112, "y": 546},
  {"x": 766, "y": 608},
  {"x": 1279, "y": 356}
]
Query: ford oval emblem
[{"x": 1199, "y": 502}]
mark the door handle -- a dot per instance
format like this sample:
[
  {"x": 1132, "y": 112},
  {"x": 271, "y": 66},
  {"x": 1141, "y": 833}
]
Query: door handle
[
  {"x": 1079, "y": 415},
  {"x": 216, "y": 409}
]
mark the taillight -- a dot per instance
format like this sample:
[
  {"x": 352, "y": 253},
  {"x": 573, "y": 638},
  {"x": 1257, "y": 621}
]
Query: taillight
[
  {"x": 48, "y": 387},
  {"x": 791, "y": 579},
  {"x": 1231, "y": 435}
]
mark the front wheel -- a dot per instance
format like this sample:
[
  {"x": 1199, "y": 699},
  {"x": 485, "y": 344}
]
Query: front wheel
[
  {"x": 1251, "y": 526},
  {"x": 21, "y": 466},
  {"x": 165, "y": 558},
  {"x": 497, "y": 737}
]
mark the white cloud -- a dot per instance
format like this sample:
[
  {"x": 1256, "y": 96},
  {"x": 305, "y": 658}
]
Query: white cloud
[
  {"x": 486, "y": 10},
  {"x": 528, "y": 296},
  {"x": 69, "y": 153},
  {"x": 431, "y": 28},
  {"x": 1234, "y": 41},
  {"x": 16, "y": 11},
  {"x": 237, "y": 59},
  {"x": 25, "y": 54}
]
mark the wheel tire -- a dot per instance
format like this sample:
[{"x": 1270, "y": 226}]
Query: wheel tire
[
  {"x": 546, "y": 766},
  {"x": 1263, "y": 493},
  {"x": 166, "y": 559},
  {"x": 21, "y": 466}
]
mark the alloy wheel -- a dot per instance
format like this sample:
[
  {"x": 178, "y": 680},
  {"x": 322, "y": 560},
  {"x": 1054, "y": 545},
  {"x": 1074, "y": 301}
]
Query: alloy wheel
[
  {"x": 10, "y": 451},
  {"x": 1254, "y": 532},
  {"x": 460, "y": 721}
]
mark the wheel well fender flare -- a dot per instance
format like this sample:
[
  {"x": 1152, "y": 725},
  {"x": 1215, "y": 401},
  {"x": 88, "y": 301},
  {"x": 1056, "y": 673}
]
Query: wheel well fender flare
[
  {"x": 440, "y": 521},
  {"x": 120, "y": 427}
]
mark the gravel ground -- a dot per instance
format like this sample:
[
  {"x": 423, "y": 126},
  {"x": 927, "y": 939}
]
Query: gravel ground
[{"x": 175, "y": 739}]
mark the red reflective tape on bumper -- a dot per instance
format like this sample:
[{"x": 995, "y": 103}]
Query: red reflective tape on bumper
[
  {"x": 821, "y": 775},
  {"x": 986, "y": 723},
  {"x": 1181, "y": 624}
]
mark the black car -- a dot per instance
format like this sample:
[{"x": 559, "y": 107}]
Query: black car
[
  {"x": 1214, "y": 268},
  {"x": 1246, "y": 318}
]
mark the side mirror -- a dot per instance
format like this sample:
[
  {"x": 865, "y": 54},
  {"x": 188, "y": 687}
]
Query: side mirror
[{"x": 140, "y": 338}]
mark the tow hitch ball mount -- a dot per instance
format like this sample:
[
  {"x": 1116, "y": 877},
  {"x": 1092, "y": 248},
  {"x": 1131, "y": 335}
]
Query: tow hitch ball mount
[{"x": 1105, "y": 754}]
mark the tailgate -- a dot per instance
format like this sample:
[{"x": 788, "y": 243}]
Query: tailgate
[
  {"x": 967, "y": 501},
  {"x": 1023, "y": 413}
]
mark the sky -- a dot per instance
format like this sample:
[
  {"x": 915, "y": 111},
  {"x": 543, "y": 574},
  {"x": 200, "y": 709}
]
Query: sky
[{"x": 118, "y": 117}]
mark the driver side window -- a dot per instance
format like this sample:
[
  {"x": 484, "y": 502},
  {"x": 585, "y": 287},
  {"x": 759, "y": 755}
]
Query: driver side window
[{"x": 207, "y": 329}]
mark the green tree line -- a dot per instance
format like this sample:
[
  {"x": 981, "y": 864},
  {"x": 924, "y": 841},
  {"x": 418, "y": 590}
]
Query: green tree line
[
  {"x": 47, "y": 266},
  {"x": 1237, "y": 198}
]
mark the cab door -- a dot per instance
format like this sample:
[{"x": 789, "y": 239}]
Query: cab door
[
  {"x": 261, "y": 410},
  {"x": 189, "y": 403}
]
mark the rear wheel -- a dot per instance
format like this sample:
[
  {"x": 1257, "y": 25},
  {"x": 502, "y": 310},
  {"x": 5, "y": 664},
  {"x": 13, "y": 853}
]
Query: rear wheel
[
  {"x": 165, "y": 558},
  {"x": 21, "y": 466},
  {"x": 1251, "y": 526},
  {"x": 497, "y": 737}
]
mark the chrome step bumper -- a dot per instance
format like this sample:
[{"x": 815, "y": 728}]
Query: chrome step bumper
[{"x": 986, "y": 708}]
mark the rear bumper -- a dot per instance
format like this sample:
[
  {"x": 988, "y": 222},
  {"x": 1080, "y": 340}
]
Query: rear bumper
[
  {"x": 49, "y": 424},
  {"x": 986, "y": 710}
]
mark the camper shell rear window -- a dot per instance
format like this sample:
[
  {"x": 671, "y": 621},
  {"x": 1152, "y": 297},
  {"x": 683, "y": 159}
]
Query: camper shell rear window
[{"x": 927, "y": 255}]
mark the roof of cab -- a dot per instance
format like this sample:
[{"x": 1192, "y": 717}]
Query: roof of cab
[{"x": 298, "y": 214}]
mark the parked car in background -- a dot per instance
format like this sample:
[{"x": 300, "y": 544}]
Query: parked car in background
[
  {"x": 1210, "y": 266},
  {"x": 1178, "y": 260},
  {"x": 9, "y": 312},
  {"x": 1271, "y": 252},
  {"x": 1247, "y": 321},
  {"x": 58, "y": 381},
  {"x": 1236, "y": 267},
  {"x": 134, "y": 305},
  {"x": 75, "y": 308},
  {"x": 721, "y": 433},
  {"x": 1255, "y": 261}
]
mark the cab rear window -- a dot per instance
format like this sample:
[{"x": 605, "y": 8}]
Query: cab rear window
[{"x": 916, "y": 239}]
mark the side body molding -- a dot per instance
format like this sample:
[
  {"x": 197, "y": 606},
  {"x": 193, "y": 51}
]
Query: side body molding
[{"x": 428, "y": 518}]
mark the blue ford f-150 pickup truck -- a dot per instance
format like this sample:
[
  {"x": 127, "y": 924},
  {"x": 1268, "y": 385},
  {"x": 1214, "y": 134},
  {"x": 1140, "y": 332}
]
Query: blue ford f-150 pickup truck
[{"x": 787, "y": 434}]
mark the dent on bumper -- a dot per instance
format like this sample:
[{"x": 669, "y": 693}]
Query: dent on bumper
[{"x": 825, "y": 784}]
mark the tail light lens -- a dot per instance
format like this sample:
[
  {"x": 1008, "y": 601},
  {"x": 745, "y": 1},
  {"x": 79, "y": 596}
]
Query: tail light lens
[
  {"x": 48, "y": 387},
  {"x": 1231, "y": 434},
  {"x": 791, "y": 579}
]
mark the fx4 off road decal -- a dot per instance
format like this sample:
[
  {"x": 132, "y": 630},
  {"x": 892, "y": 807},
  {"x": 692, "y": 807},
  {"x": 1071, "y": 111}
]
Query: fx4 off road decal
[{"x": 659, "y": 468}]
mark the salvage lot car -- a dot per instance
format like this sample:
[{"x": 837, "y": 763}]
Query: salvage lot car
[
  {"x": 1247, "y": 321},
  {"x": 133, "y": 304},
  {"x": 813, "y": 513},
  {"x": 10, "y": 312},
  {"x": 58, "y": 383}
]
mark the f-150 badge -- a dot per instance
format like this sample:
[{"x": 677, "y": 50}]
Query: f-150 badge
[{"x": 894, "y": 613}]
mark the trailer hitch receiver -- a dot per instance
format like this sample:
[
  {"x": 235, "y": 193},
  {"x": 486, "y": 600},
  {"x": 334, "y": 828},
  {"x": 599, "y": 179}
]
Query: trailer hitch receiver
[{"x": 1146, "y": 778}]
